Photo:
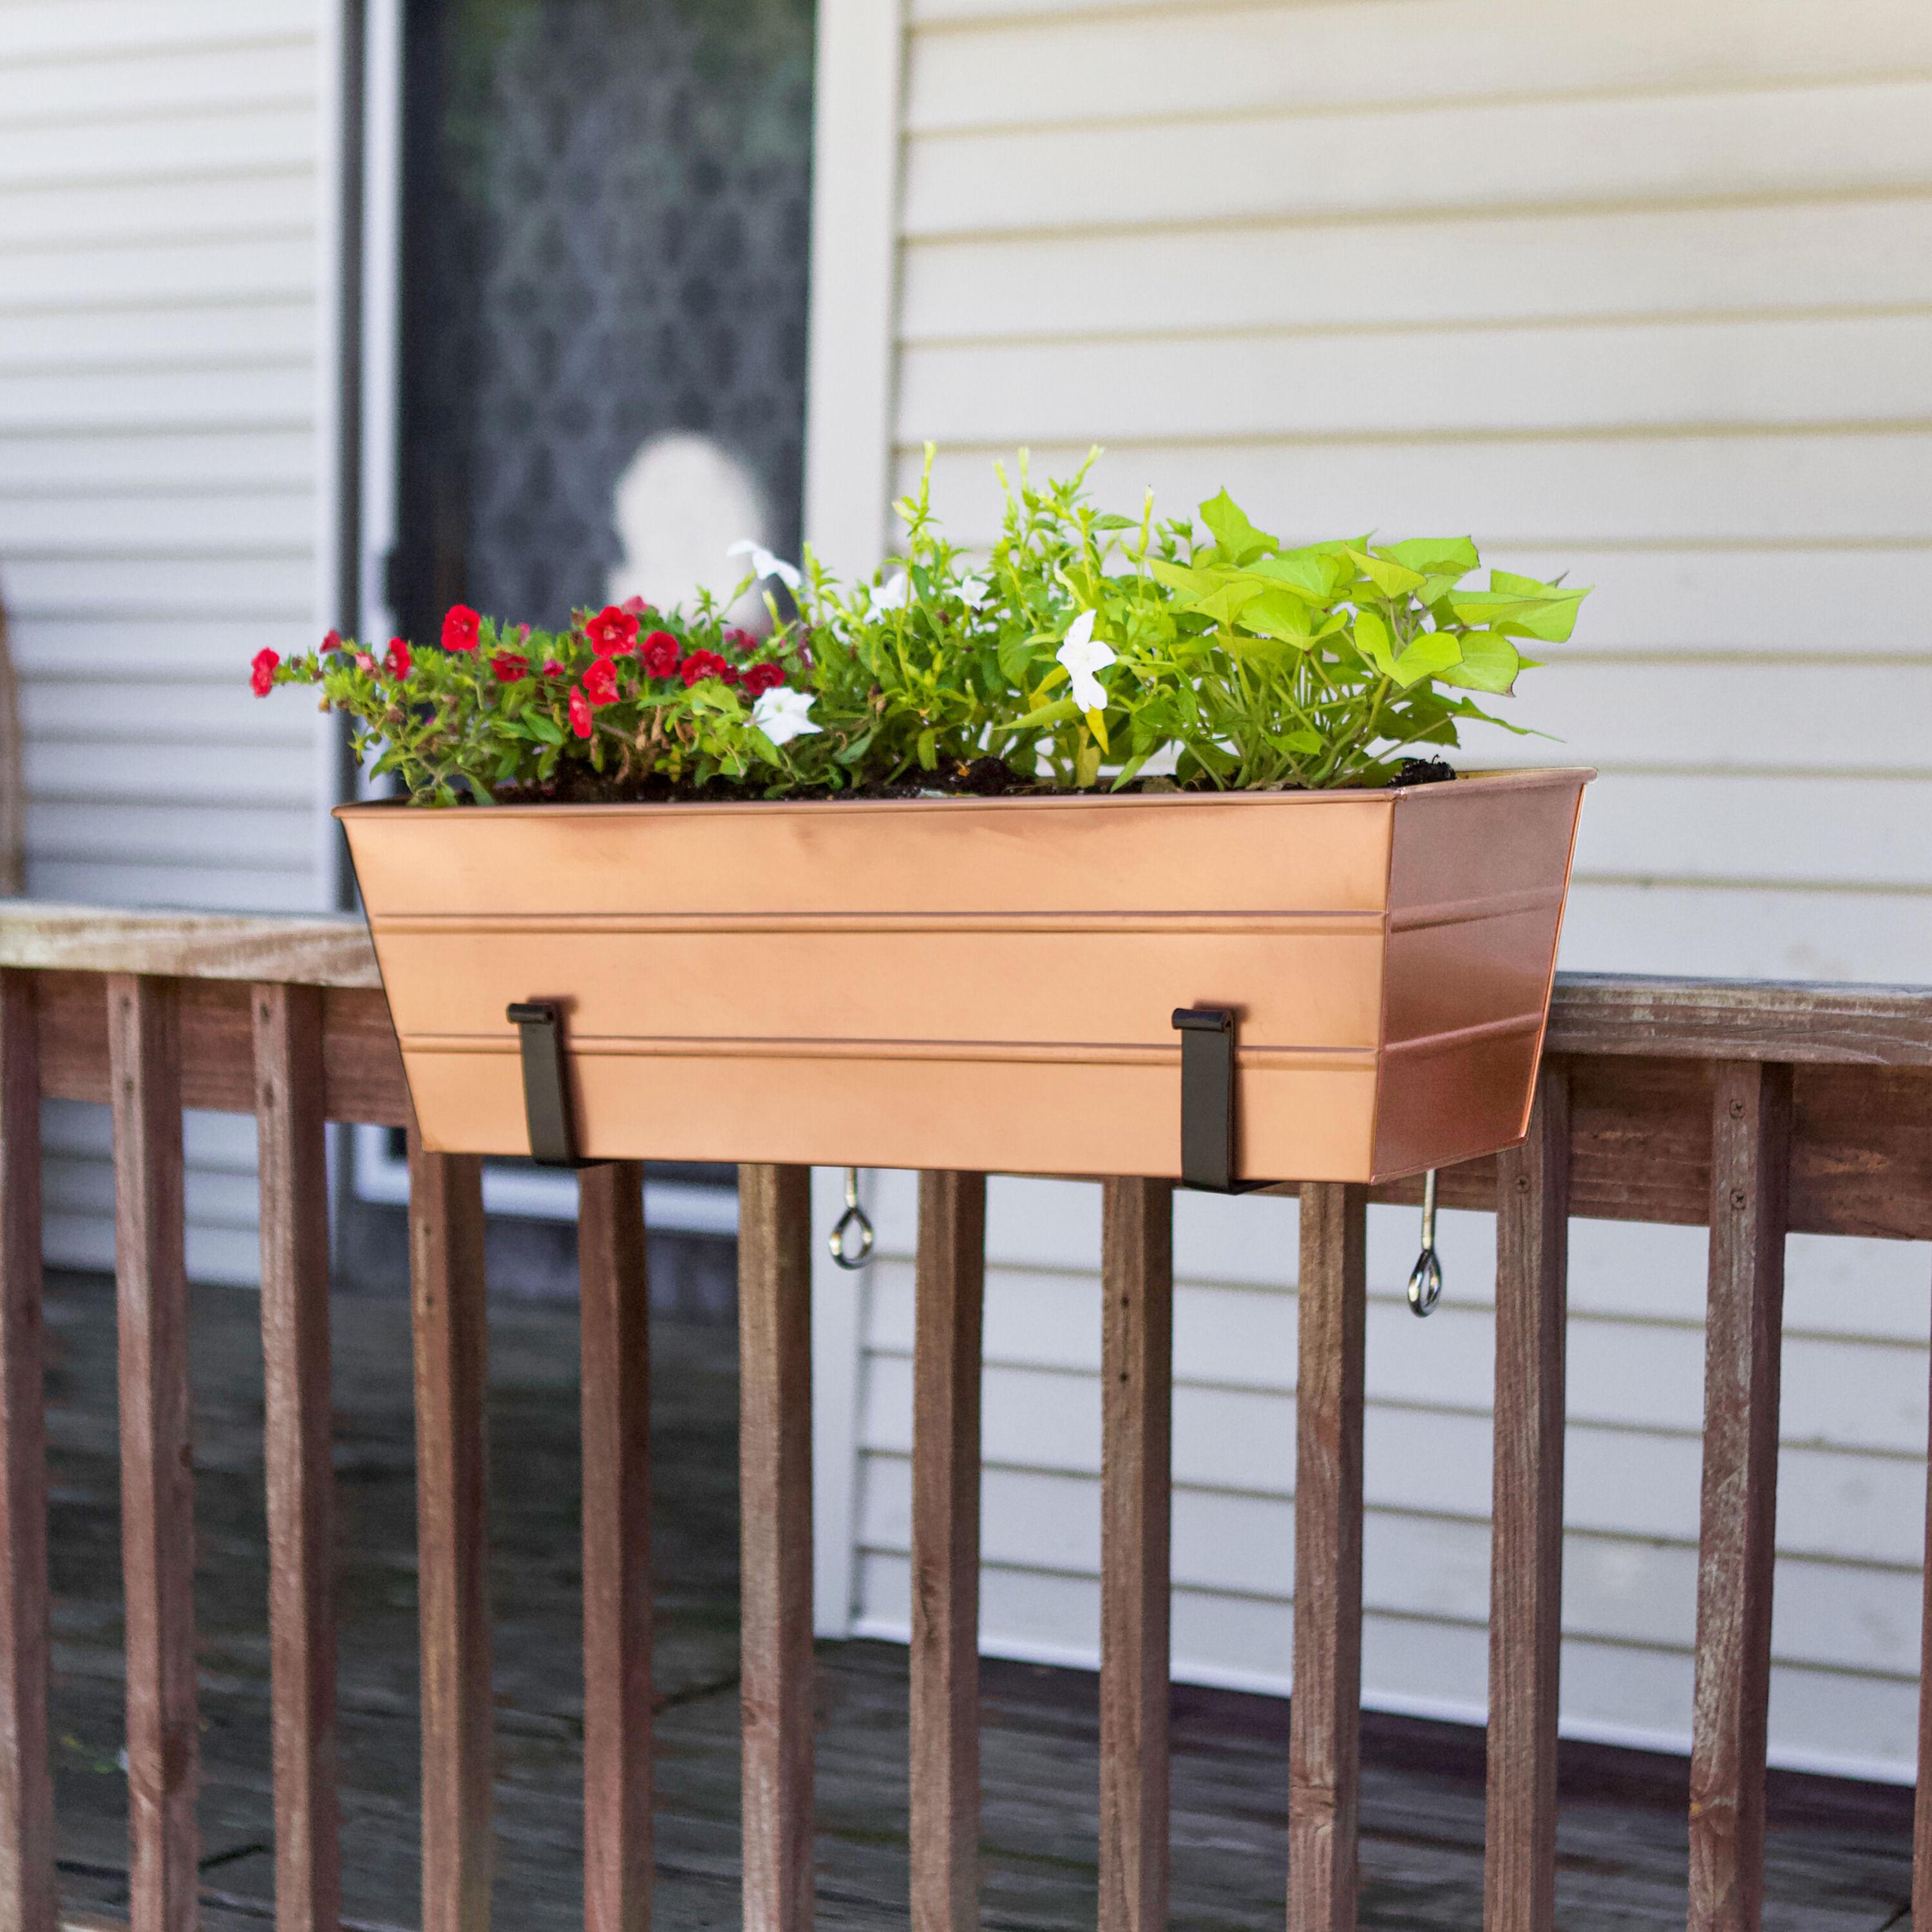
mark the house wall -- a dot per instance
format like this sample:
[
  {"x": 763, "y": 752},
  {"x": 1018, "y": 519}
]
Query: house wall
[
  {"x": 167, "y": 458},
  {"x": 1643, "y": 292}
]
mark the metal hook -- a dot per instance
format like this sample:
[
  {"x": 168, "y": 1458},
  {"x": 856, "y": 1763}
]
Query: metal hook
[
  {"x": 853, "y": 1224},
  {"x": 1425, "y": 1280}
]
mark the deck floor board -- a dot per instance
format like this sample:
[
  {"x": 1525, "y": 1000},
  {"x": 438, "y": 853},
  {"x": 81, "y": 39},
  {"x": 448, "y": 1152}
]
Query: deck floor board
[{"x": 1839, "y": 1855}]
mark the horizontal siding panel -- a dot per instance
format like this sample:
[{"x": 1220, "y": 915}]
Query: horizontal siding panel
[
  {"x": 209, "y": 837},
  {"x": 264, "y": 522},
  {"x": 123, "y": 710},
  {"x": 1162, "y": 63},
  {"x": 88, "y": 650},
  {"x": 94, "y": 284},
  {"x": 194, "y": 334},
  {"x": 201, "y": 772},
  {"x": 1796, "y": 141},
  {"x": 1685, "y": 493},
  {"x": 1618, "y": 1589},
  {"x": 1840, "y": 1395},
  {"x": 234, "y": 887},
  {"x": 165, "y": 587},
  {"x": 140, "y": 212},
  {"x": 54, "y": 30},
  {"x": 1209, "y": 280},
  {"x": 248, "y": 139},
  {"x": 1735, "y": 714},
  {"x": 245, "y": 459},
  {"x": 282, "y": 395},
  {"x": 1621, "y": 1485},
  {"x": 1746, "y": 932},
  {"x": 1827, "y": 831},
  {"x": 96, "y": 88},
  {"x": 1861, "y": 1725},
  {"x": 1667, "y": 375}
]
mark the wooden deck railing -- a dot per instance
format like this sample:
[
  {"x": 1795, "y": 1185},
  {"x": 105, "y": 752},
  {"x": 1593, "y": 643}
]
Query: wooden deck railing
[{"x": 1758, "y": 1109}]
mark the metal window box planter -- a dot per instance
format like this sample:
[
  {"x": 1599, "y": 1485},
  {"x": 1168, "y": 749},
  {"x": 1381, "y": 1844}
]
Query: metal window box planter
[{"x": 983, "y": 985}]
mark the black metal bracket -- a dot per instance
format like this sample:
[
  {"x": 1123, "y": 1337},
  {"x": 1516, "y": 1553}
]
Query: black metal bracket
[
  {"x": 539, "y": 1025},
  {"x": 1208, "y": 1038}
]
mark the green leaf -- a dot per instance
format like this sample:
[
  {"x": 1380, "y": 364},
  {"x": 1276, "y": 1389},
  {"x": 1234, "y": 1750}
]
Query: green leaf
[
  {"x": 1429, "y": 656},
  {"x": 1392, "y": 580},
  {"x": 1489, "y": 663},
  {"x": 1434, "y": 556},
  {"x": 1281, "y": 614},
  {"x": 540, "y": 725},
  {"x": 1017, "y": 656},
  {"x": 1238, "y": 539},
  {"x": 928, "y": 750},
  {"x": 1316, "y": 578},
  {"x": 1061, "y": 711},
  {"x": 1373, "y": 640},
  {"x": 1549, "y": 616},
  {"x": 1527, "y": 587}
]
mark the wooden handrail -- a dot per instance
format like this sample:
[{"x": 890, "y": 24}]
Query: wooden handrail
[{"x": 1754, "y": 1107}]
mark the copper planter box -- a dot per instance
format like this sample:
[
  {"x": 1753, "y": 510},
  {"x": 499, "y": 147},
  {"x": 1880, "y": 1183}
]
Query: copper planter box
[{"x": 984, "y": 984}]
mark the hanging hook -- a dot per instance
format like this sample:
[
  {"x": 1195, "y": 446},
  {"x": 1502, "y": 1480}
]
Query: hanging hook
[
  {"x": 1425, "y": 1280},
  {"x": 851, "y": 1241}
]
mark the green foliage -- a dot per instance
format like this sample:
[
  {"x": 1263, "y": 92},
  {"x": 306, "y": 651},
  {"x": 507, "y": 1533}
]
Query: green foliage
[{"x": 1082, "y": 647}]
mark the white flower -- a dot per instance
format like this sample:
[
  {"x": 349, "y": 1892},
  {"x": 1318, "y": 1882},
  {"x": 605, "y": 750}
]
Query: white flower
[
  {"x": 783, "y": 714},
  {"x": 894, "y": 594},
  {"x": 764, "y": 564},
  {"x": 972, "y": 591},
  {"x": 1083, "y": 656}
]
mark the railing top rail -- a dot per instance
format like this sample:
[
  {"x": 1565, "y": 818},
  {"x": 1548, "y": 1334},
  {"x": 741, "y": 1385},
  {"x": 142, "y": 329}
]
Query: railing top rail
[
  {"x": 1811, "y": 1021},
  {"x": 315, "y": 949},
  {"x": 1815, "y": 1022}
]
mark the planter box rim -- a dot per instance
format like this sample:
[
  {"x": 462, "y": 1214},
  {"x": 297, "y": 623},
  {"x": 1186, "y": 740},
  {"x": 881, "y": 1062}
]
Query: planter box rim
[{"x": 1507, "y": 778}]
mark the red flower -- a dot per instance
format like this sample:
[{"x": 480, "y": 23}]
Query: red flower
[
  {"x": 740, "y": 640},
  {"x": 552, "y": 668},
  {"x": 660, "y": 653},
  {"x": 364, "y": 662},
  {"x": 636, "y": 606},
  {"x": 760, "y": 678},
  {"x": 732, "y": 674},
  {"x": 509, "y": 668},
  {"x": 612, "y": 632},
  {"x": 579, "y": 713},
  {"x": 331, "y": 640},
  {"x": 701, "y": 664},
  {"x": 460, "y": 628},
  {"x": 261, "y": 672},
  {"x": 600, "y": 682},
  {"x": 397, "y": 663}
]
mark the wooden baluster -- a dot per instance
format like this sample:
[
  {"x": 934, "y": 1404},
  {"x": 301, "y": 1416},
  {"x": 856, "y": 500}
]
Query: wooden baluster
[
  {"x": 1136, "y": 1511},
  {"x": 1526, "y": 1540},
  {"x": 617, "y": 1424},
  {"x": 775, "y": 1506},
  {"x": 26, "y": 1785},
  {"x": 944, "y": 1700},
  {"x": 157, "y": 1469},
  {"x": 450, "y": 1318},
  {"x": 1921, "y": 1816},
  {"x": 1750, "y": 1184},
  {"x": 298, "y": 1451},
  {"x": 1325, "y": 1715}
]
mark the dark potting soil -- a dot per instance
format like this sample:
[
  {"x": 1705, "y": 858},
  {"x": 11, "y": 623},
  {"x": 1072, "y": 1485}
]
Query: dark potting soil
[{"x": 978, "y": 778}]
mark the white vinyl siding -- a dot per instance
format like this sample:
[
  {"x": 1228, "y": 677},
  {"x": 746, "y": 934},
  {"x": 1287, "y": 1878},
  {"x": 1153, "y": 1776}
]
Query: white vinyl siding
[
  {"x": 1642, "y": 292},
  {"x": 166, "y": 174}
]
